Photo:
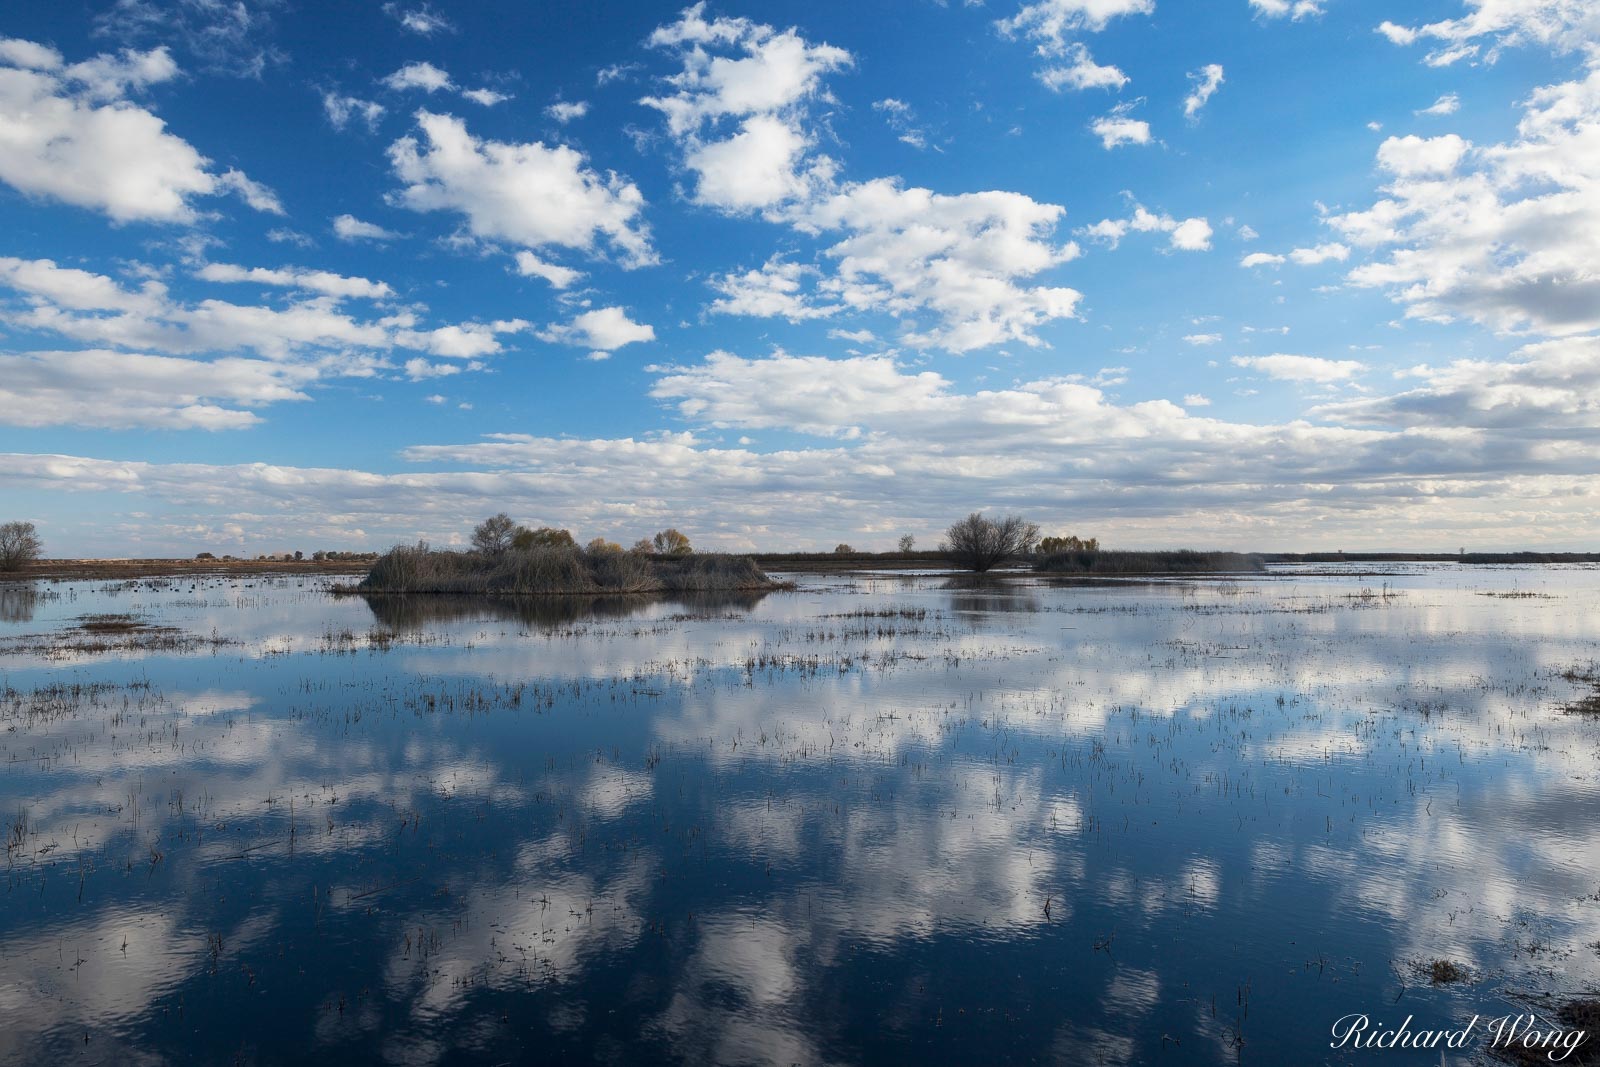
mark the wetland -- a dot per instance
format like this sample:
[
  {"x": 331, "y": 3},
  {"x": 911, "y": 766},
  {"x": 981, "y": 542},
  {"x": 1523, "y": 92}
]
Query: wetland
[{"x": 867, "y": 818}]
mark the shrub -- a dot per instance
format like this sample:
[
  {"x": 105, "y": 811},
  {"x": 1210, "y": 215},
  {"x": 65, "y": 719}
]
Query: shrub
[
  {"x": 19, "y": 544},
  {"x": 1186, "y": 561},
  {"x": 556, "y": 569},
  {"x": 601, "y": 545},
  {"x": 1070, "y": 543},
  {"x": 204, "y": 555},
  {"x": 643, "y": 547},
  {"x": 978, "y": 544}
]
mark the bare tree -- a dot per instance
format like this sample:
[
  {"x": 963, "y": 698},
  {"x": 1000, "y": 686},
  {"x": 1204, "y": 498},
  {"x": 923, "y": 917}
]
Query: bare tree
[
  {"x": 493, "y": 535},
  {"x": 842, "y": 549},
  {"x": 19, "y": 544},
  {"x": 978, "y": 544},
  {"x": 907, "y": 543}
]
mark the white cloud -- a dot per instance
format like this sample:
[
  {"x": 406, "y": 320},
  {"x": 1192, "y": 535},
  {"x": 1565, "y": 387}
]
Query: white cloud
[
  {"x": 342, "y": 109},
  {"x": 1261, "y": 259},
  {"x": 350, "y": 228},
  {"x": 531, "y": 194},
  {"x": 1196, "y": 400},
  {"x": 1117, "y": 128},
  {"x": 739, "y": 116},
  {"x": 1559, "y": 25},
  {"x": 1081, "y": 72},
  {"x": 419, "y": 369},
  {"x": 1287, "y": 368},
  {"x": 317, "y": 281},
  {"x": 558, "y": 276},
  {"x": 1507, "y": 234},
  {"x": 1051, "y": 23},
  {"x": 1411, "y": 155},
  {"x": 120, "y": 390},
  {"x": 485, "y": 97},
  {"x": 1542, "y": 388},
  {"x": 773, "y": 290},
  {"x": 565, "y": 110},
  {"x": 69, "y": 135},
  {"x": 1293, "y": 9},
  {"x": 1207, "y": 80},
  {"x": 423, "y": 20},
  {"x": 1189, "y": 235},
  {"x": 1202, "y": 338},
  {"x": 424, "y": 76},
  {"x": 312, "y": 330},
  {"x": 961, "y": 258},
  {"x": 1322, "y": 253},
  {"x": 902, "y": 119},
  {"x": 606, "y": 329},
  {"x": 1448, "y": 104}
]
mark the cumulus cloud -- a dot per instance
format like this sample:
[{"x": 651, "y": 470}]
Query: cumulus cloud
[
  {"x": 1188, "y": 235},
  {"x": 1051, "y": 24},
  {"x": 1287, "y": 368},
  {"x": 311, "y": 328},
  {"x": 122, "y": 390},
  {"x": 1080, "y": 71},
  {"x": 913, "y": 253},
  {"x": 317, "y": 281},
  {"x": 530, "y": 194},
  {"x": 350, "y": 228},
  {"x": 559, "y": 277},
  {"x": 424, "y": 76},
  {"x": 1120, "y": 128},
  {"x": 567, "y": 110},
  {"x": 1506, "y": 234},
  {"x": 72, "y": 135},
  {"x": 342, "y": 110},
  {"x": 602, "y": 329},
  {"x": 1207, "y": 80},
  {"x": 1493, "y": 25},
  {"x": 738, "y": 107},
  {"x": 776, "y": 289}
]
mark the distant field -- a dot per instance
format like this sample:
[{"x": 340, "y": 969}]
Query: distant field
[{"x": 79, "y": 569}]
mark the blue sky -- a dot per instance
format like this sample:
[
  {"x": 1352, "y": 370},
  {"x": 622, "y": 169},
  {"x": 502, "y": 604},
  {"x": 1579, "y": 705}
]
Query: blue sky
[{"x": 1265, "y": 274}]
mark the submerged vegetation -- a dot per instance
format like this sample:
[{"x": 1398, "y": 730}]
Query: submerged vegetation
[
  {"x": 1185, "y": 561},
  {"x": 558, "y": 570}
]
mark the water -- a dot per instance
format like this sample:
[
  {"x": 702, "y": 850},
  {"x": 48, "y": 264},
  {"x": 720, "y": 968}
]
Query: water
[{"x": 869, "y": 821}]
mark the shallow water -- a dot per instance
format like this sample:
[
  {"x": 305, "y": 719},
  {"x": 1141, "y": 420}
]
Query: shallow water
[{"x": 868, "y": 821}]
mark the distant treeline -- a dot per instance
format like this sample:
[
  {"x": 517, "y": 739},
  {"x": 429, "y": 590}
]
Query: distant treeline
[
  {"x": 1183, "y": 561},
  {"x": 1432, "y": 557},
  {"x": 558, "y": 570}
]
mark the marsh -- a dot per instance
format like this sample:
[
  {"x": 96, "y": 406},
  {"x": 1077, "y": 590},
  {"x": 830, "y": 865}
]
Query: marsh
[{"x": 871, "y": 819}]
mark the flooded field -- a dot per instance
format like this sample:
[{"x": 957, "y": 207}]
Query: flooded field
[{"x": 872, "y": 820}]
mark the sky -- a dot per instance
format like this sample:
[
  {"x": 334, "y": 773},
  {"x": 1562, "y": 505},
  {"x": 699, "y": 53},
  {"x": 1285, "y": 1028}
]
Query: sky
[{"x": 1250, "y": 274}]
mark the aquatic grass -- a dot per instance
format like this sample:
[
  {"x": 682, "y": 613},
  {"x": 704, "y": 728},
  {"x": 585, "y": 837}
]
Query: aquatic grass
[{"x": 1183, "y": 561}]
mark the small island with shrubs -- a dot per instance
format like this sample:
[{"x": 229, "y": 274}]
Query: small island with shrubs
[{"x": 510, "y": 560}]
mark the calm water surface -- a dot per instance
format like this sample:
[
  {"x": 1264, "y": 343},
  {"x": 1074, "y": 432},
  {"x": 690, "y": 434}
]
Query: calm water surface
[{"x": 869, "y": 821}]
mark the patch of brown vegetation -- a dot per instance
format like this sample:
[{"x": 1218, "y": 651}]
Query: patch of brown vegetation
[{"x": 66, "y": 570}]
